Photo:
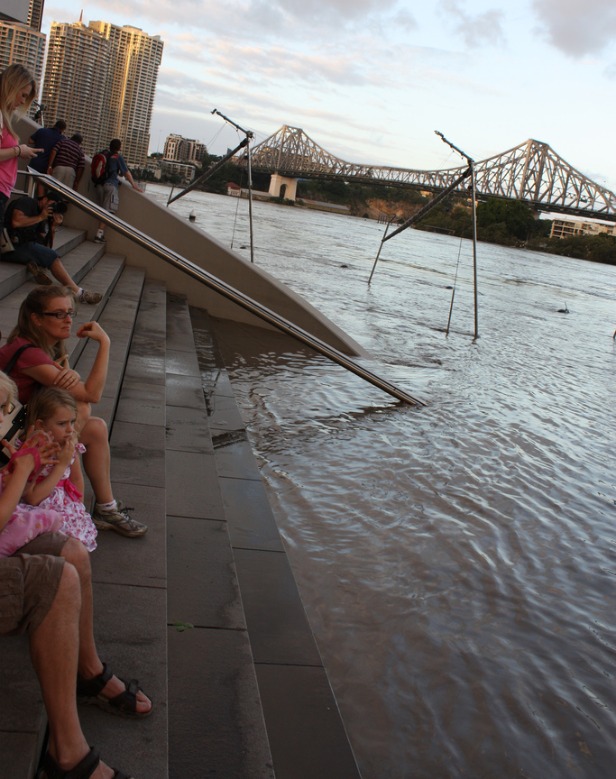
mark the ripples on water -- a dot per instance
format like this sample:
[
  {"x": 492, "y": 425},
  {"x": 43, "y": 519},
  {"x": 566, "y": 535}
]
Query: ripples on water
[{"x": 457, "y": 562}]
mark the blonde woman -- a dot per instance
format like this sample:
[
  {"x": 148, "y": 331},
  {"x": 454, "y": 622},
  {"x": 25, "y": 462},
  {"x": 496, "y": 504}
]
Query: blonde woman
[{"x": 17, "y": 91}]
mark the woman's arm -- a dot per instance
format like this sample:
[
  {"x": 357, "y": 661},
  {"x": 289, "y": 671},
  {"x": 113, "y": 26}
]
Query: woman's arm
[
  {"x": 90, "y": 390},
  {"x": 19, "y": 150}
]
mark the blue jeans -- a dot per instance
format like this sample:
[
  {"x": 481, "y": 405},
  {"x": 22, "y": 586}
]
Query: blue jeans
[{"x": 32, "y": 252}]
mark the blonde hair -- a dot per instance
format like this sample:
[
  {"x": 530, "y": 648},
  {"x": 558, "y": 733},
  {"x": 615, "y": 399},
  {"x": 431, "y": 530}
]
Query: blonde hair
[
  {"x": 45, "y": 402},
  {"x": 12, "y": 80},
  {"x": 8, "y": 385}
]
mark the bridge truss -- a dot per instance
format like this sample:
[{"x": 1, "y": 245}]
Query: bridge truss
[{"x": 531, "y": 172}]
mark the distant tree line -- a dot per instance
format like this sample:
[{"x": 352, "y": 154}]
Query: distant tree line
[{"x": 505, "y": 222}]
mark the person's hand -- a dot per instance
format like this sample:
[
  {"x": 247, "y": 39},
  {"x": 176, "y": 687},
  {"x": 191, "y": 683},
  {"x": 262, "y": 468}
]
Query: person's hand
[
  {"x": 27, "y": 152},
  {"x": 92, "y": 330},
  {"x": 67, "y": 451},
  {"x": 44, "y": 444},
  {"x": 137, "y": 188},
  {"x": 67, "y": 377}
]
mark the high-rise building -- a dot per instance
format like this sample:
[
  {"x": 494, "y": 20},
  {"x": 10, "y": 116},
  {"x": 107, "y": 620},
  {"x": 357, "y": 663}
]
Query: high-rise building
[
  {"x": 135, "y": 59},
  {"x": 102, "y": 80},
  {"x": 35, "y": 14},
  {"x": 21, "y": 39},
  {"x": 183, "y": 149},
  {"x": 76, "y": 77}
]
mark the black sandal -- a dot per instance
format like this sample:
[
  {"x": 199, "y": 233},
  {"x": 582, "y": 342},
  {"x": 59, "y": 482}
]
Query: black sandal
[
  {"x": 84, "y": 768},
  {"x": 125, "y": 704}
]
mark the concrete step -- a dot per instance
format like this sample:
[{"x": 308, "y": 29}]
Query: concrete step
[
  {"x": 216, "y": 725},
  {"x": 130, "y": 588}
]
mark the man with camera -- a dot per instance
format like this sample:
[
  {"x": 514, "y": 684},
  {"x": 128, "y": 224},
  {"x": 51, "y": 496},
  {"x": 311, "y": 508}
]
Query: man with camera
[{"x": 31, "y": 225}]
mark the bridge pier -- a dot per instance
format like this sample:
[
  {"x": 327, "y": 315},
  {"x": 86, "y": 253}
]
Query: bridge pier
[{"x": 283, "y": 187}]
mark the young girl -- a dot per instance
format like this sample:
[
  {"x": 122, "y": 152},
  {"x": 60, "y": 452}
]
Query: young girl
[
  {"x": 19, "y": 523},
  {"x": 59, "y": 486}
]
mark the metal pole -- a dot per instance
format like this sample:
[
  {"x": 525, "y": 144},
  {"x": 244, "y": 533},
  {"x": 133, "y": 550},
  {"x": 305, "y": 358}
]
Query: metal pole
[
  {"x": 224, "y": 289},
  {"x": 206, "y": 174},
  {"x": 378, "y": 254},
  {"x": 474, "y": 196},
  {"x": 249, "y": 171},
  {"x": 429, "y": 206}
]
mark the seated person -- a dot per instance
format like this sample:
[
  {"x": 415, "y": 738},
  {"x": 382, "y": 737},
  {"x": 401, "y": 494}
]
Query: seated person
[
  {"x": 30, "y": 224},
  {"x": 46, "y": 591},
  {"x": 36, "y": 349}
]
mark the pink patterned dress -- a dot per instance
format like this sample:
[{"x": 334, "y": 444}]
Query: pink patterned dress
[
  {"x": 67, "y": 500},
  {"x": 25, "y": 524}
]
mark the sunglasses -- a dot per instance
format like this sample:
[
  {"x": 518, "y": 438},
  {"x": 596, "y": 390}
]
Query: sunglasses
[{"x": 60, "y": 314}]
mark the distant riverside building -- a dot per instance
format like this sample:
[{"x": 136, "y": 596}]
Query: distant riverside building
[
  {"x": 185, "y": 171},
  {"x": 182, "y": 149},
  {"x": 568, "y": 228},
  {"x": 102, "y": 80},
  {"x": 21, "y": 39}
]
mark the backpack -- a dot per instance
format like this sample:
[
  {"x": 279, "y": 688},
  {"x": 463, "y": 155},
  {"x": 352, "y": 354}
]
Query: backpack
[{"x": 98, "y": 167}]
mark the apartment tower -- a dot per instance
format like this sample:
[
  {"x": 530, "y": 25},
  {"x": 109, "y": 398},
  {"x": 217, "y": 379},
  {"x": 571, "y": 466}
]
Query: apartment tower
[
  {"x": 135, "y": 59},
  {"x": 21, "y": 39},
  {"x": 76, "y": 77},
  {"x": 102, "y": 80}
]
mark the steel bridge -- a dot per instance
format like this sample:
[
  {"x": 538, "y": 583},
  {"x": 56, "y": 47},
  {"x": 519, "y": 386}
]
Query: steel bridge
[{"x": 531, "y": 172}]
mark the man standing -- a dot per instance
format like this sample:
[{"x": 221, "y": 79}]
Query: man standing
[
  {"x": 67, "y": 161},
  {"x": 46, "y": 138},
  {"x": 107, "y": 191},
  {"x": 30, "y": 225}
]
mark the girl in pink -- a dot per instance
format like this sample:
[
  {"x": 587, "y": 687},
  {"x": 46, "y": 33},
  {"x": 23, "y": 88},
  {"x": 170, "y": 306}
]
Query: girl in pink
[
  {"x": 19, "y": 523},
  {"x": 59, "y": 486}
]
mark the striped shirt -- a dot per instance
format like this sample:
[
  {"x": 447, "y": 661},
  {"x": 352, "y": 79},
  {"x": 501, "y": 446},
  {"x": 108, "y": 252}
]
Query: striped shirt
[{"x": 69, "y": 154}]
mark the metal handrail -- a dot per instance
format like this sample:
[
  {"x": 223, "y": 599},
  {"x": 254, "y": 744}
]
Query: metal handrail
[{"x": 224, "y": 289}]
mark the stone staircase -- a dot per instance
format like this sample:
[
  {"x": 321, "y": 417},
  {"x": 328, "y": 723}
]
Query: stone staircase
[{"x": 203, "y": 609}]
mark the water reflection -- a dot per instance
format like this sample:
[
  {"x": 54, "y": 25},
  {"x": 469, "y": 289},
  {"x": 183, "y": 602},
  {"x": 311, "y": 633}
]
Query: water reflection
[{"x": 457, "y": 562}]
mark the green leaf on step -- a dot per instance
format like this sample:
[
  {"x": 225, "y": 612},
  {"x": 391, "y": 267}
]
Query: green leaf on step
[{"x": 182, "y": 626}]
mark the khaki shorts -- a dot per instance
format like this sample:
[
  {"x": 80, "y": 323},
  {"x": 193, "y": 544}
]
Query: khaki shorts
[{"x": 28, "y": 583}]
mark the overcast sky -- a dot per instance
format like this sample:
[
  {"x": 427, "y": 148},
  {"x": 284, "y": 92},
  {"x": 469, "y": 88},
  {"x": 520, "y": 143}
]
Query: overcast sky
[{"x": 371, "y": 80}]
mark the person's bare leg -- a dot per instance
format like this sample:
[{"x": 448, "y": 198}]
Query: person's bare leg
[
  {"x": 97, "y": 458},
  {"x": 54, "y": 650},
  {"x": 61, "y": 274},
  {"x": 89, "y": 663}
]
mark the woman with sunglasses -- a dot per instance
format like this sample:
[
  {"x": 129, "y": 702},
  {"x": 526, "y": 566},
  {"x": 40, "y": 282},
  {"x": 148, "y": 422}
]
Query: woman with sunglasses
[{"x": 43, "y": 325}]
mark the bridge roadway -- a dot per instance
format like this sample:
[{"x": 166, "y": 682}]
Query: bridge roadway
[{"x": 531, "y": 172}]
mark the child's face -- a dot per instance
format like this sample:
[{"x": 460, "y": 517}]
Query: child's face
[{"x": 61, "y": 425}]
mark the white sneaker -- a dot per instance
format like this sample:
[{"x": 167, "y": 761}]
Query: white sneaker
[
  {"x": 100, "y": 237},
  {"x": 86, "y": 296}
]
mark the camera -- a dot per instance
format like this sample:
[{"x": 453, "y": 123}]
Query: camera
[{"x": 58, "y": 207}]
